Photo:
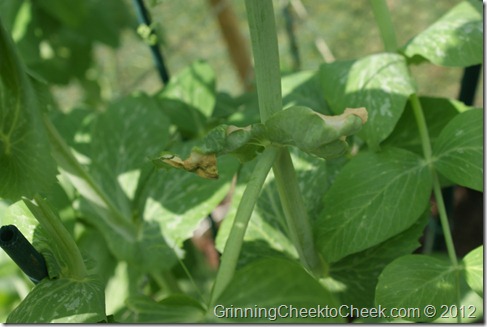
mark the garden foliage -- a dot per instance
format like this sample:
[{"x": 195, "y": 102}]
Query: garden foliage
[{"x": 96, "y": 193}]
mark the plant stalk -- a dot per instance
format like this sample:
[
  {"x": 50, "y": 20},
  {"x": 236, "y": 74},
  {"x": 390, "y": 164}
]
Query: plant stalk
[
  {"x": 384, "y": 22},
  {"x": 425, "y": 142},
  {"x": 244, "y": 212},
  {"x": 445, "y": 225},
  {"x": 263, "y": 35}
]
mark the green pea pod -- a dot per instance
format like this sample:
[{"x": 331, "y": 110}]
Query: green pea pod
[{"x": 314, "y": 133}]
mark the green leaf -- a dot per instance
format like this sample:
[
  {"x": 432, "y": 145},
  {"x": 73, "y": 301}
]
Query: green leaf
[
  {"x": 458, "y": 153},
  {"x": 68, "y": 14},
  {"x": 417, "y": 281},
  {"x": 56, "y": 39},
  {"x": 375, "y": 196},
  {"x": 243, "y": 142},
  {"x": 15, "y": 16},
  {"x": 437, "y": 111},
  {"x": 18, "y": 214},
  {"x": 75, "y": 128},
  {"x": 314, "y": 133},
  {"x": 304, "y": 89},
  {"x": 171, "y": 310},
  {"x": 117, "y": 154},
  {"x": 62, "y": 301},
  {"x": 474, "y": 270},
  {"x": 380, "y": 83},
  {"x": 358, "y": 273},
  {"x": 143, "y": 246},
  {"x": 178, "y": 201},
  {"x": 274, "y": 284},
  {"x": 189, "y": 98},
  {"x": 111, "y": 199},
  {"x": 93, "y": 247},
  {"x": 455, "y": 40},
  {"x": 105, "y": 21},
  {"x": 26, "y": 166}
]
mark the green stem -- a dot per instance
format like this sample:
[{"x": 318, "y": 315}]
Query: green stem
[
  {"x": 383, "y": 19},
  {"x": 423, "y": 128},
  {"x": 445, "y": 225},
  {"x": 263, "y": 35},
  {"x": 260, "y": 14},
  {"x": 59, "y": 236},
  {"x": 428, "y": 154},
  {"x": 384, "y": 22},
  {"x": 295, "y": 212},
  {"x": 246, "y": 206}
]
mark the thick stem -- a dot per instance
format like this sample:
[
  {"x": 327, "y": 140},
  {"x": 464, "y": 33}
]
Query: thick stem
[
  {"x": 384, "y": 22},
  {"x": 246, "y": 206},
  {"x": 260, "y": 14},
  {"x": 263, "y": 35}
]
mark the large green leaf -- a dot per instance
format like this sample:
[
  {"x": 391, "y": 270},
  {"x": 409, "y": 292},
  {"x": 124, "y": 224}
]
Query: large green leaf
[
  {"x": 268, "y": 291},
  {"x": 124, "y": 137},
  {"x": 178, "y": 201},
  {"x": 304, "y": 89},
  {"x": 458, "y": 153},
  {"x": 474, "y": 270},
  {"x": 455, "y": 40},
  {"x": 380, "y": 83},
  {"x": 120, "y": 168},
  {"x": 189, "y": 98},
  {"x": 173, "y": 309},
  {"x": 437, "y": 111},
  {"x": 358, "y": 273},
  {"x": 62, "y": 301},
  {"x": 26, "y": 166},
  {"x": 418, "y": 281},
  {"x": 375, "y": 196}
]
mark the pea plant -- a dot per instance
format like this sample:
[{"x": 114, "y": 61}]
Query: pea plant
[{"x": 330, "y": 174}]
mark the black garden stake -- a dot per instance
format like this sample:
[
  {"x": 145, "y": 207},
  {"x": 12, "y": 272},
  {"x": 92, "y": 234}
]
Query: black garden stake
[{"x": 14, "y": 243}]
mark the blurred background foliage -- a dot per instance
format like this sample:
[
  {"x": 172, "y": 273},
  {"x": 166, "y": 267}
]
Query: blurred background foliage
[{"x": 89, "y": 53}]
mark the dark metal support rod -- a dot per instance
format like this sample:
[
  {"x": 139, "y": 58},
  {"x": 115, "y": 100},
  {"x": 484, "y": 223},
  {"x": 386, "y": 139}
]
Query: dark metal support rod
[
  {"x": 32, "y": 263},
  {"x": 143, "y": 17}
]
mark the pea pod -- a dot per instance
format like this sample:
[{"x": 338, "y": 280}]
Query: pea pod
[{"x": 317, "y": 134}]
